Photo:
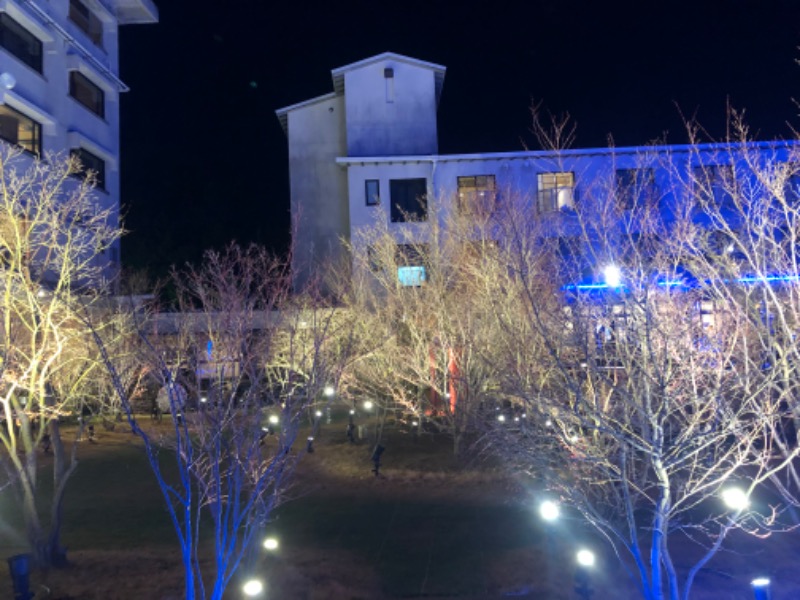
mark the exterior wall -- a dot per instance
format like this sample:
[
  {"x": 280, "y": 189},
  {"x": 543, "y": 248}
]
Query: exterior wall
[
  {"x": 320, "y": 217},
  {"x": 390, "y": 117},
  {"x": 44, "y": 97}
]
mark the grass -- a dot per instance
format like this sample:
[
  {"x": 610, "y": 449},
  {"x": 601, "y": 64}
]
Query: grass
[{"x": 429, "y": 528}]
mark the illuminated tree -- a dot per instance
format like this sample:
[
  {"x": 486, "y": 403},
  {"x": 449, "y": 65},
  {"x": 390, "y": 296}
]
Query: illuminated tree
[
  {"x": 666, "y": 378},
  {"x": 242, "y": 360},
  {"x": 54, "y": 238}
]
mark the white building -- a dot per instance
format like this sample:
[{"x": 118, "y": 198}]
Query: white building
[
  {"x": 60, "y": 87},
  {"x": 367, "y": 153}
]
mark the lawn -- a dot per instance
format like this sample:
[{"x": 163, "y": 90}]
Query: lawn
[{"x": 430, "y": 527}]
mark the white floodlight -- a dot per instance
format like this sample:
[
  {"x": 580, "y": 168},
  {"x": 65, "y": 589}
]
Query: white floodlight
[
  {"x": 549, "y": 510},
  {"x": 585, "y": 557},
  {"x": 329, "y": 391},
  {"x": 274, "y": 419},
  {"x": 501, "y": 418},
  {"x": 318, "y": 413},
  {"x": 612, "y": 276},
  {"x": 735, "y": 498},
  {"x": 760, "y": 582},
  {"x": 271, "y": 544},
  {"x": 352, "y": 412},
  {"x": 368, "y": 405},
  {"x": 203, "y": 399},
  {"x": 253, "y": 588},
  {"x": 414, "y": 423}
]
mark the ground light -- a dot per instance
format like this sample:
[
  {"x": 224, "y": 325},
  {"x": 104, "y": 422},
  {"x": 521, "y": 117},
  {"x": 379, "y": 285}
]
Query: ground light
[
  {"x": 271, "y": 544},
  {"x": 761, "y": 588},
  {"x": 253, "y": 588},
  {"x": 735, "y": 498},
  {"x": 549, "y": 510}
]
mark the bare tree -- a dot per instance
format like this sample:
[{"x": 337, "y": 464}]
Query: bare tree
[
  {"x": 241, "y": 360},
  {"x": 651, "y": 390},
  {"x": 54, "y": 235}
]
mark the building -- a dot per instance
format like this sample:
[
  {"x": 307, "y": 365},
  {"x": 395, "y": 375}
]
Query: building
[
  {"x": 60, "y": 87},
  {"x": 367, "y": 153}
]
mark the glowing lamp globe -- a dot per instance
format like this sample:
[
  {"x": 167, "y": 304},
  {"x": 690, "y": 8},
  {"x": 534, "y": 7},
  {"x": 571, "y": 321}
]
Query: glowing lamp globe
[
  {"x": 585, "y": 558},
  {"x": 252, "y": 588}
]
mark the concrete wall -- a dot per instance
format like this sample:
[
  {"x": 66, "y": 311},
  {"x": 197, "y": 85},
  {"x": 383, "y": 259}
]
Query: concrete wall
[
  {"x": 318, "y": 185},
  {"x": 390, "y": 117},
  {"x": 44, "y": 97}
]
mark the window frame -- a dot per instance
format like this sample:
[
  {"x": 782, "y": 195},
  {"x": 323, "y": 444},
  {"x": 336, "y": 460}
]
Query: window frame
[
  {"x": 87, "y": 21},
  {"x": 639, "y": 190},
  {"x": 479, "y": 197},
  {"x": 36, "y": 129},
  {"x": 404, "y": 213},
  {"x": 99, "y": 174},
  {"x": 78, "y": 81},
  {"x": 372, "y": 198},
  {"x": 32, "y": 60},
  {"x": 548, "y": 196}
]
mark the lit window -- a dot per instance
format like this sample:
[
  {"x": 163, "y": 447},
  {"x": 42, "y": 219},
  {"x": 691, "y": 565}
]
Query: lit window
[
  {"x": 90, "y": 164},
  {"x": 86, "y": 21},
  {"x": 634, "y": 187},
  {"x": 409, "y": 200},
  {"x": 20, "y": 130},
  {"x": 20, "y": 42},
  {"x": 87, "y": 93},
  {"x": 372, "y": 192},
  {"x": 476, "y": 194},
  {"x": 556, "y": 192}
]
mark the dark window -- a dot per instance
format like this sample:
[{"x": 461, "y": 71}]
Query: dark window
[
  {"x": 87, "y": 93},
  {"x": 20, "y": 42},
  {"x": 90, "y": 164},
  {"x": 86, "y": 21},
  {"x": 20, "y": 130},
  {"x": 556, "y": 192},
  {"x": 409, "y": 200},
  {"x": 634, "y": 188},
  {"x": 713, "y": 183},
  {"x": 476, "y": 194},
  {"x": 372, "y": 192}
]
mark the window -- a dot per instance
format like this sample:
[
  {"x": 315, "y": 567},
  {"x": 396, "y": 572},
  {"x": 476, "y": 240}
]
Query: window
[
  {"x": 87, "y": 93},
  {"x": 90, "y": 163},
  {"x": 713, "y": 183},
  {"x": 372, "y": 192},
  {"x": 22, "y": 131},
  {"x": 476, "y": 194},
  {"x": 556, "y": 192},
  {"x": 410, "y": 265},
  {"x": 86, "y": 21},
  {"x": 634, "y": 188},
  {"x": 20, "y": 42},
  {"x": 409, "y": 200}
]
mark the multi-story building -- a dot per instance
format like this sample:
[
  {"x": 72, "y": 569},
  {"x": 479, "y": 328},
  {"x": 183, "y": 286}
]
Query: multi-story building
[
  {"x": 60, "y": 87},
  {"x": 367, "y": 154}
]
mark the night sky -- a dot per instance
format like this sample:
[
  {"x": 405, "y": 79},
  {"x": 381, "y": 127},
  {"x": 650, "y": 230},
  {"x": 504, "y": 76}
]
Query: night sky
[{"x": 204, "y": 160}]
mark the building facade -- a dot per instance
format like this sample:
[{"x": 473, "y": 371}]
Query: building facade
[
  {"x": 367, "y": 154},
  {"x": 60, "y": 87}
]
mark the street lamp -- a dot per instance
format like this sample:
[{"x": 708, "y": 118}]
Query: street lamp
[
  {"x": 585, "y": 557},
  {"x": 329, "y": 391},
  {"x": 735, "y": 498},
  {"x": 368, "y": 405},
  {"x": 274, "y": 420}
]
